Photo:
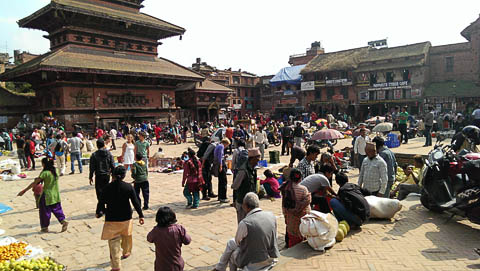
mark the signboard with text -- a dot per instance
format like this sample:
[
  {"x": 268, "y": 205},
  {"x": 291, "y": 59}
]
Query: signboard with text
[{"x": 309, "y": 85}]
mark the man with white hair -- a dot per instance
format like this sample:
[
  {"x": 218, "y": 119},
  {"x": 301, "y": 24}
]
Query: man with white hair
[{"x": 255, "y": 246}]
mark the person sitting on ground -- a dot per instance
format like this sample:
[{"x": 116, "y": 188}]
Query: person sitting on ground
[
  {"x": 295, "y": 204},
  {"x": 255, "y": 244},
  {"x": 350, "y": 205},
  {"x": 319, "y": 186},
  {"x": 408, "y": 187},
  {"x": 328, "y": 159},
  {"x": 157, "y": 156},
  {"x": 168, "y": 238},
  {"x": 271, "y": 184}
]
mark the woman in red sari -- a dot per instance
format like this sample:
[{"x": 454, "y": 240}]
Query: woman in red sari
[
  {"x": 192, "y": 180},
  {"x": 295, "y": 204}
]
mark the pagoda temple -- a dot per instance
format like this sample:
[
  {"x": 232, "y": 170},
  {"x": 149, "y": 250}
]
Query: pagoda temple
[{"x": 102, "y": 67}]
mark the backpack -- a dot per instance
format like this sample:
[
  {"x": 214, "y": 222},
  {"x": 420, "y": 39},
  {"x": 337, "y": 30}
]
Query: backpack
[
  {"x": 242, "y": 158},
  {"x": 352, "y": 198},
  {"x": 59, "y": 148}
]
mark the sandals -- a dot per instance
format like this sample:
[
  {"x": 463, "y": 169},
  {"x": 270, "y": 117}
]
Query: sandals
[
  {"x": 125, "y": 256},
  {"x": 64, "y": 226}
]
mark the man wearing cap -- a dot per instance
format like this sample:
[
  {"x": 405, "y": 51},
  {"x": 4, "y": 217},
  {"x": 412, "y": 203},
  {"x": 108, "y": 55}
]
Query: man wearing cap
[
  {"x": 101, "y": 164},
  {"x": 390, "y": 159},
  {"x": 373, "y": 173},
  {"x": 246, "y": 181}
]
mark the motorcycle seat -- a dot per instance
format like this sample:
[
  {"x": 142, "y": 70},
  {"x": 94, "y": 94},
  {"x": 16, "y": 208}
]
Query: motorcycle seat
[{"x": 449, "y": 204}]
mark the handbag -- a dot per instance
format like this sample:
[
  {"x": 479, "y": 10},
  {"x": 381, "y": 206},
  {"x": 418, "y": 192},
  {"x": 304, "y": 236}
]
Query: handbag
[{"x": 38, "y": 189}]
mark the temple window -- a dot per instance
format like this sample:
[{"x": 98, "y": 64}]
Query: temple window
[{"x": 79, "y": 38}]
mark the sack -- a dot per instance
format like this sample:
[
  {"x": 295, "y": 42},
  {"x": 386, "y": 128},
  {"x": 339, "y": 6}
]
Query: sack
[
  {"x": 320, "y": 229},
  {"x": 383, "y": 207}
]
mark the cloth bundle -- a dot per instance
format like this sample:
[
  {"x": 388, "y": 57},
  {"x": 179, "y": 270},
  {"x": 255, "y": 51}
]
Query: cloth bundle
[{"x": 320, "y": 230}]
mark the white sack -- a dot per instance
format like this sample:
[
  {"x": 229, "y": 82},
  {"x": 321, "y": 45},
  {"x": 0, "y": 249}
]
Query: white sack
[{"x": 383, "y": 207}]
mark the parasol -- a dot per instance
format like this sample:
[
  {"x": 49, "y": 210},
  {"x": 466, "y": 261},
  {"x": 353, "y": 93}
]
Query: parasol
[
  {"x": 327, "y": 134},
  {"x": 383, "y": 127},
  {"x": 321, "y": 120}
]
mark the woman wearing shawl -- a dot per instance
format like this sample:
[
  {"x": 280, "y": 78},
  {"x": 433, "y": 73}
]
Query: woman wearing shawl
[
  {"x": 192, "y": 176},
  {"x": 295, "y": 204}
]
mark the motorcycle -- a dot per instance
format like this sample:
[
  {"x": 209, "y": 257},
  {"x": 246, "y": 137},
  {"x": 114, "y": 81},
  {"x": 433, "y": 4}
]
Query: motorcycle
[
  {"x": 274, "y": 139},
  {"x": 451, "y": 182},
  {"x": 168, "y": 136}
]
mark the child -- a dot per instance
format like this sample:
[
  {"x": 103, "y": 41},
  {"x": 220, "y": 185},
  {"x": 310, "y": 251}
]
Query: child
[
  {"x": 140, "y": 179},
  {"x": 271, "y": 184},
  {"x": 168, "y": 238}
]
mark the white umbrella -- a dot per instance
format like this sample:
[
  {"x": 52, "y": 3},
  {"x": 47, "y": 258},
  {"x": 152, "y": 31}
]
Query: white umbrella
[{"x": 383, "y": 127}]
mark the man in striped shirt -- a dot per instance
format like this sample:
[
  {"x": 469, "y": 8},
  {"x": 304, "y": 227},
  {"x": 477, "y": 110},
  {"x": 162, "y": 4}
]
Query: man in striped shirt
[{"x": 373, "y": 173}]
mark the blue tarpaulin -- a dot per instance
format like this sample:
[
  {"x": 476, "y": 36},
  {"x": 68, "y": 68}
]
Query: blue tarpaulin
[{"x": 288, "y": 75}]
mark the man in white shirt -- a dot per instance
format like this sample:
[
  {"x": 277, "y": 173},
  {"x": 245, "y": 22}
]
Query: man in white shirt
[
  {"x": 255, "y": 246},
  {"x": 373, "y": 173},
  {"x": 261, "y": 140},
  {"x": 113, "y": 136},
  {"x": 359, "y": 147}
]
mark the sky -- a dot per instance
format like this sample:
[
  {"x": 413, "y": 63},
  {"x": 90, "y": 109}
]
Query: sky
[{"x": 259, "y": 35}]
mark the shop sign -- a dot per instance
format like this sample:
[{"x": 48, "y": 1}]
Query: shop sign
[
  {"x": 288, "y": 92},
  {"x": 399, "y": 84},
  {"x": 338, "y": 82},
  {"x": 381, "y": 95},
  {"x": 416, "y": 93},
  {"x": 398, "y": 94},
  {"x": 237, "y": 106},
  {"x": 309, "y": 85},
  {"x": 364, "y": 96},
  {"x": 3, "y": 119}
]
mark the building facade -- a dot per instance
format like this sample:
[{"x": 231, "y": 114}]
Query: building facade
[
  {"x": 455, "y": 74},
  {"x": 103, "y": 66},
  {"x": 245, "y": 98},
  {"x": 204, "y": 101}
]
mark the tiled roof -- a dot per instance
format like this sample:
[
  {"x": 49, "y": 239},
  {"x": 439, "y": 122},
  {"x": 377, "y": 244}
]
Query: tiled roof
[
  {"x": 335, "y": 61},
  {"x": 96, "y": 9},
  {"x": 74, "y": 59},
  {"x": 205, "y": 85},
  {"x": 365, "y": 58}
]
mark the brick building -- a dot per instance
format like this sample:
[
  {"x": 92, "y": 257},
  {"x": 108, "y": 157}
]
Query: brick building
[
  {"x": 245, "y": 98},
  {"x": 302, "y": 59},
  {"x": 455, "y": 73},
  {"x": 287, "y": 97},
  {"x": 103, "y": 66},
  {"x": 204, "y": 100},
  {"x": 266, "y": 95},
  {"x": 329, "y": 84}
]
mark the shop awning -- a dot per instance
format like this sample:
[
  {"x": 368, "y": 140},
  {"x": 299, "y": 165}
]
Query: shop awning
[{"x": 288, "y": 75}]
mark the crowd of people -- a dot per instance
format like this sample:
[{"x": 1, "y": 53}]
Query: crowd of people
[{"x": 305, "y": 184}]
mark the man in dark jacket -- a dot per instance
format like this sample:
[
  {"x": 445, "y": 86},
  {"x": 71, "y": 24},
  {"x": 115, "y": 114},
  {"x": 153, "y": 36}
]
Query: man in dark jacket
[
  {"x": 286, "y": 138},
  {"x": 245, "y": 181},
  {"x": 356, "y": 209},
  {"x": 101, "y": 164}
]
